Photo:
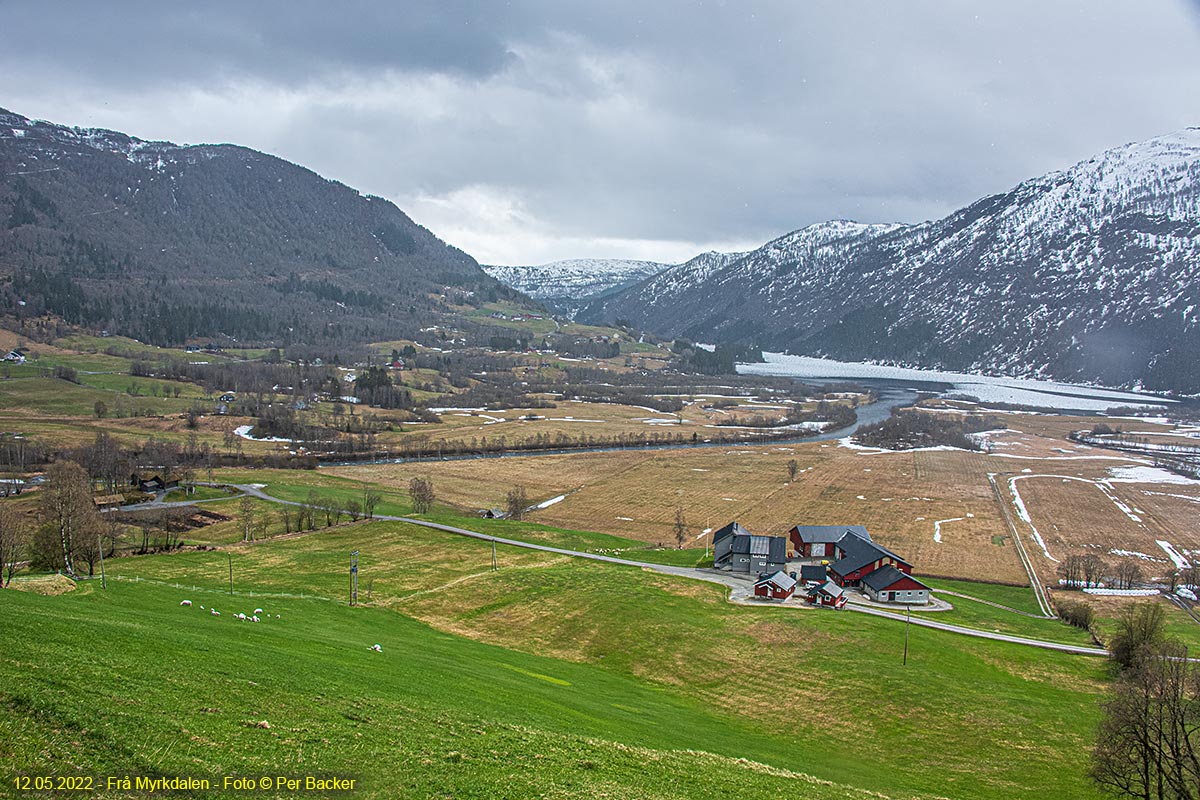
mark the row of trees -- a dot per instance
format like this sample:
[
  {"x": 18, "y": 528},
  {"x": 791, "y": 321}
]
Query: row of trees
[{"x": 1082, "y": 571}]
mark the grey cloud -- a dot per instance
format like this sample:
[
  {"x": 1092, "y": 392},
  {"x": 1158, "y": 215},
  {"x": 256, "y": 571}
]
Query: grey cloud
[{"x": 681, "y": 121}]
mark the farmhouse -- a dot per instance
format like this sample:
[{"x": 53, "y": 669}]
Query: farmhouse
[
  {"x": 890, "y": 585},
  {"x": 776, "y": 586},
  {"x": 738, "y": 550},
  {"x": 826, "y": 594},
  {"x": 858, "y": 558},
  {"x": 817, "y": 541}
]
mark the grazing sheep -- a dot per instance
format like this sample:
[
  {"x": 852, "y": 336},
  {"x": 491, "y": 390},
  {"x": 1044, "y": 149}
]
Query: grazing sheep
[
  {"x": 242, "y": 617},
  {"x": 254, "y": 618},
  {"x": 214, "y": 612},
  {"x": 258, "y": 611},
  {"x": 376, "y": 648},
  {"x": 185, "y": 603}
]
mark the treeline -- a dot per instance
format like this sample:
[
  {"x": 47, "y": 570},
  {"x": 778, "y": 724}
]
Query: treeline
[
  {"x": 429, "y": 448},
  {"x": 910, "y": 428},
  {"x": 722, "y": 360}
]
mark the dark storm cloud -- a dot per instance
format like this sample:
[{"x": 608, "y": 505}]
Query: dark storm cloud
[
  {"x": 534, "y": 130},
  {"x": 140, "y": 43}
]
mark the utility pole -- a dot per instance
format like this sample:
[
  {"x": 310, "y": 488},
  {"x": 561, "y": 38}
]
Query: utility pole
[
  {"x": 494, "y": 567},
  {"x": 354, "y": 578},
  {"x": 100, "y": 547},
  {"x": 907, "y": 619}
]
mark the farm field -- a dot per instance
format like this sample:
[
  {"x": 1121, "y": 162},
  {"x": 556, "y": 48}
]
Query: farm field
[
  {"x": 581, "y": 633},
  {"x": 935, "y": 507}
]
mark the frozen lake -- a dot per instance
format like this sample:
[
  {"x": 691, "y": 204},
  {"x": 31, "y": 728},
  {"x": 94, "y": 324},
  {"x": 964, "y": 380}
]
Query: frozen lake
[{"x": 987, "y": 388}]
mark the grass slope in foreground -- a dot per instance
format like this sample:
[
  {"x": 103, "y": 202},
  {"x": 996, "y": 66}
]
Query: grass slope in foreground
[
  {"x": 127, "y": 682},
  {"x": 818, "y": 692}
]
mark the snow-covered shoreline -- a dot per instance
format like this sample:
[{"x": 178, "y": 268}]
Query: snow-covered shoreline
[{"x": 987, "y": 388}]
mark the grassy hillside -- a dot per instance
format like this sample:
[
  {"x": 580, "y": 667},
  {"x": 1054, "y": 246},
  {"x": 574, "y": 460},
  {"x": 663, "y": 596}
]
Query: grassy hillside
[{"x": 650, "y": 661}]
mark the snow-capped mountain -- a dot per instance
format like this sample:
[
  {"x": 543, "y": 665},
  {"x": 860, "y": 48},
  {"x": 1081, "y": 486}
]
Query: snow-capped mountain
[
  {"x": 575, "y": 278},
  {"x": 1092, "y": 273}
]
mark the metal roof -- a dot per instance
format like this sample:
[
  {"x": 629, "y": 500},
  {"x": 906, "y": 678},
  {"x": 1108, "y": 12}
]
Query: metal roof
[
  {"x": 779, "y": 579},
  {"x": 882, "y": 578},
  {"x": 813, "y": 534},
  {"x": 858, "y": 553},
  {"x": 760, "y": 546},
  {"x": 732, "y": 529}
]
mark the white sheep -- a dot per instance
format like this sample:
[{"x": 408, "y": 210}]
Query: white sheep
[
  {"x": 254, "y": 618},
  {"x": 258, "y": 611},
  {"x": 185, "y": 603},
  {"x": 242, "y": 617},
  {"x": 214, "y": 612},
  {"x": 376, "y": 648}
]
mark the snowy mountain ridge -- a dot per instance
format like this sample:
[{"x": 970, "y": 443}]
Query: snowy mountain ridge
[
  {"x": 574, "y": 278},
  {"x": 1089, "y": 273}
]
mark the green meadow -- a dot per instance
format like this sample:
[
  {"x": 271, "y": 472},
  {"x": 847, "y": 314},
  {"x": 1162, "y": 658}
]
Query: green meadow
[{"x": 549, "y": 677}]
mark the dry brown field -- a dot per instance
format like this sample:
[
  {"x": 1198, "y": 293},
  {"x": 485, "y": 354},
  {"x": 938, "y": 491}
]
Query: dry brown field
[{"x": 900, "y": 497}]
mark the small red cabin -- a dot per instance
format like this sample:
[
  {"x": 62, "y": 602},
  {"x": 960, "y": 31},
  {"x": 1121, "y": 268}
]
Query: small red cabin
[
  {"x": 776, "y": 586},
  {"x": 827, "y": 594}
]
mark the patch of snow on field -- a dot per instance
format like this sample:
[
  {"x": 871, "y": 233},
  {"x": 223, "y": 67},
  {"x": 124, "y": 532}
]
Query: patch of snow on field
[
  {"x": 1187, "y": 497},
  {"x": 1179, "y": 561},
  {"x": 1148, "y": 475},
  {"x": 937, "y": 527},
  {"x": 551, "y": 501},
  {"x": 1133, "y": 554},
  {"x": 1122, "y": 592},
  {"x": 698, "y": 469},
  {"x": 626, "y": 519},
  {"x": 1023, "y": 513},
  {"x": 1183, "y": 591},
  {"x": 244, "y": 432}
]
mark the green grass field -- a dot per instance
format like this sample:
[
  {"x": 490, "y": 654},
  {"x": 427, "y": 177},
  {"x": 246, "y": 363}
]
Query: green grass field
[
  {"x": 126, "y": 682},
  {"x": 818, "y": 692}
]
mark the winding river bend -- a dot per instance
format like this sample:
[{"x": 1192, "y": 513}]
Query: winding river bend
[{"x": 892, "y": 394}]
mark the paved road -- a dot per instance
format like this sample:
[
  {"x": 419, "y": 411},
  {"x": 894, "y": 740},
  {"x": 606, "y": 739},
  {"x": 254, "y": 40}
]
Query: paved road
[{"x": 725, "y": 579}]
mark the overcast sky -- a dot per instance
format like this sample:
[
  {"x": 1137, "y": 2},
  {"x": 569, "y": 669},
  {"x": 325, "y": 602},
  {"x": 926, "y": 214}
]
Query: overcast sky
[{"x": 526, "y": 132}]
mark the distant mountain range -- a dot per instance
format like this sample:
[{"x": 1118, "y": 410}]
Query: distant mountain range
[
  {"x": 574, "y": 279},
  {"x": 1089, "y": 274},
  {"x": 166, "y": 242}
]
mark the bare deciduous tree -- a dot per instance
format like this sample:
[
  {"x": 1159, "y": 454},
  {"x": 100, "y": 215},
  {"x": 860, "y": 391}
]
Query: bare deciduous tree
[
  {"x": 1093, "y": 569},
  {"x": 421, "y": 492},
  {"x": 246, "y": 517},
  {"x": 68, "y": 508},
  {"x": 680, "y": 527},
  {"x": 515, "y": 502},
  {"x": 1071, "y": 571},
  {"x": 1149, "y": 742},
  {"x": 371, "y": 499},
  {"x": 14, "y": 536},
  {"x": 792, "y": 467},
  {"x": 1128, "y": 573}
]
